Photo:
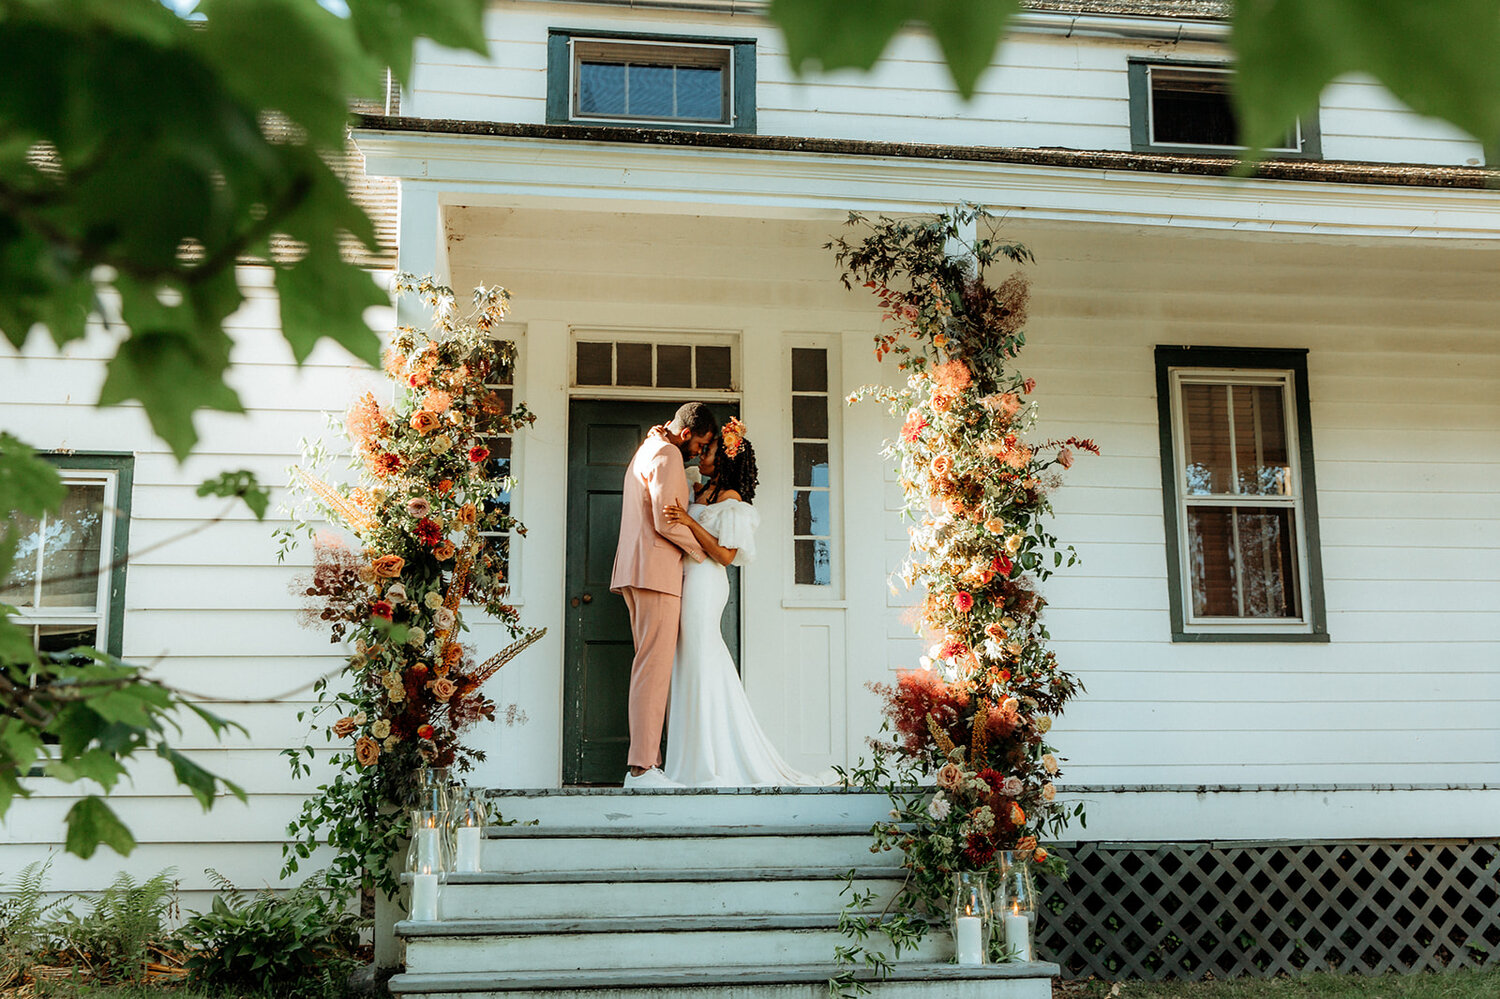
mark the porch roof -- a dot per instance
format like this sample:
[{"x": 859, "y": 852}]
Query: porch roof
[{"x": 637, "y": 169}]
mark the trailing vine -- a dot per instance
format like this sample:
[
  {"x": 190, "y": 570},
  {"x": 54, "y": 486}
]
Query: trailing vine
[
  {"x": 427, "y": 501},
  {"x": 964, "y": 754}
]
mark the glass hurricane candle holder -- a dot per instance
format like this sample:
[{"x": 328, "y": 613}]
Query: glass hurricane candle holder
[
  {"x": 427, "y": 862},
  {"x": 470, "y": 816},
  {"x": 971, "y": 918},
  {"x": 1016, "y": 902}
]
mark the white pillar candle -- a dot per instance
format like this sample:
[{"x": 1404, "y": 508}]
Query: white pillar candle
[
  {"x": 968, "y": 939},
  {"x": 466, "y": 857},
  {"x": 424, "y": 897},
  {"x": 1018, "y": 935},
  {"x": 427, "y": 850}
]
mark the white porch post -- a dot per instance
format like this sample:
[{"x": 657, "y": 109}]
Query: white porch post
[{"x": 422, "y": 248}]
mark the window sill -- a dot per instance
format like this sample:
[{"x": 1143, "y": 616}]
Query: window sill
[
  {"x": 1221, "y": 152},
  {"x": 648, "y": 125},
  {"x": 1251, "y": 636}
]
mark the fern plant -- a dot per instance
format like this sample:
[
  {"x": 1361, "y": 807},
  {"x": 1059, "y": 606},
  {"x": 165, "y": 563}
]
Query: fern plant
[
  {"x": 297, "y": 945},
  {"x": 114, "y": 938},
  {"x": 25, "y": 919}
]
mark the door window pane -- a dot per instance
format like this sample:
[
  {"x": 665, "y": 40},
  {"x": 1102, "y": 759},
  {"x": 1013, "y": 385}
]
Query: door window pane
[
  {"x": 595, "y": 363},
  {"x": 810, "y": 464},
  {"x": 674, "y": 366},
  {"x": 713, "y": 367},
  {"x": 809, "y": 370},
  {"x": 810, "y": 416},
  {"x": 814, "y": 562},
  {"x": 633, "y": 364}
]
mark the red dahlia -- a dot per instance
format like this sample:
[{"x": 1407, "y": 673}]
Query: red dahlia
[
  {"x": 428, "y": 532},
  {"x": 381, "y": 608},
  {"x": 478, "y": 454}
]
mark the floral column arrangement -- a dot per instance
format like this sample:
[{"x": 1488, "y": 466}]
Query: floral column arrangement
[
  {"x": 974, "y": 714},
  {"x": 425, "y": 505}
]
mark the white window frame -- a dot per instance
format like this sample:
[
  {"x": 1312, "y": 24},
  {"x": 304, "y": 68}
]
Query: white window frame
[
  {"x": 36, "y": 617},
  {"x": 657, "y": 338},
  {"x": 1151, "y": 69},
  {"x": 575, "y": 62},
  {"x": 1285, "y": 379},
  {"x": 814, "y": 594},
  {"x": 515, "y": 332}
]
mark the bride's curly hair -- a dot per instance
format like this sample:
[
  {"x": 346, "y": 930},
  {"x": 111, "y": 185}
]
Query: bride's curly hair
[{"x": 738, "y": 472}]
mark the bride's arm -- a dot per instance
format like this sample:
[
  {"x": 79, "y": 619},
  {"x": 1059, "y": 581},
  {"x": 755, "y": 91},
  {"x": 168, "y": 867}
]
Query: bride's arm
[{"x": 711, "y": 547}]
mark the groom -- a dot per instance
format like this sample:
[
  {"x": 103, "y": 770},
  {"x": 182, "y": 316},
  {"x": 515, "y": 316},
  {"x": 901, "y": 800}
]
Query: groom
[{"x": 648, "y": 574}]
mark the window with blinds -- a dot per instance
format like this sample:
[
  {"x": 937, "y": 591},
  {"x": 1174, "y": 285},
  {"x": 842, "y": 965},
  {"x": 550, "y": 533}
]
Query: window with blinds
[{"x": 1239, "y": 486}]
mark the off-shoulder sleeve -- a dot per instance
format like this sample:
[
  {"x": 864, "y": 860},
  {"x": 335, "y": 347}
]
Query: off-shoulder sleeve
[{"x": 737, "y": 524}]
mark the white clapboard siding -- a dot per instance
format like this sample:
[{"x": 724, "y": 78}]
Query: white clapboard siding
[
  {"x": 1045, "y": 90},
  {"x": 208, "y": 609}
]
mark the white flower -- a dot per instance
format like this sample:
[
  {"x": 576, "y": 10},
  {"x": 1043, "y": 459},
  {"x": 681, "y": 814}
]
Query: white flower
[
  {"x": 939, "y": 807},
  {"x": 443, "y": 618},
  {"x": 415, "y": 636},
  {"x": 442, "y": 444},
  {"x": 396, "y": 594},
  {"x": 381, "y": 728},
  {"x": 434, "y": 599}
]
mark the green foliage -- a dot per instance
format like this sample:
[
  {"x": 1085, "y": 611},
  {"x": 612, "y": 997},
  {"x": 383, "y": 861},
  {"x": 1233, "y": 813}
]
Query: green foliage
[
  {"x": 114, "y": 937},
  {"x": 1438, "y": 56},
  {"x": 100, "y": 712},
  {"x": 24, "y": 918},
  {"x": 145, "y": 153},
  {"x": 239, "y": 485},
  {"x": 298, "y": 944}
]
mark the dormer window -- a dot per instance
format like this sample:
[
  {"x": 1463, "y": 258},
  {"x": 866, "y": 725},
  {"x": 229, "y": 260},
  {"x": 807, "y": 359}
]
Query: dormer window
[
  {"x": 704, "y": 84},
  {"x": 1178, "y": 107}
]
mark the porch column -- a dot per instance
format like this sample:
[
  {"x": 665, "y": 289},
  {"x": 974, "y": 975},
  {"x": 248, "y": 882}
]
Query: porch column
[{"x": 422, "y": 245}]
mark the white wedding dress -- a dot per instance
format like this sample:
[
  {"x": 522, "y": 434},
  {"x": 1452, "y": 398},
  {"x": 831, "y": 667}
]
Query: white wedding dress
[{"x": 713, "y": 739}]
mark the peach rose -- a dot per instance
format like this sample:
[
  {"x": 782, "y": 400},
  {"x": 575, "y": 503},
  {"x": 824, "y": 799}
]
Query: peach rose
[
  {"x": 1049, "y": 792},
  {"x": 949, "y": 777},
  {"x": 424, "y": 421},
  {"x": 995, "y": 525},
  {"x": 443, "y": 688},
  {"x": 388, "y": 566},
  {"x": 1049, "y": 763},
  {"x": 366, "y": 751},
  {"x": 1026, "y": 843},
  {"x": 344, "y": 727},
  {"x": 942, "y": 465},
  {"x": 444, "y": 550}
]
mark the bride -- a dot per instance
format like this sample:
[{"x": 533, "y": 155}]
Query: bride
[{"x": 713, "y": 739}]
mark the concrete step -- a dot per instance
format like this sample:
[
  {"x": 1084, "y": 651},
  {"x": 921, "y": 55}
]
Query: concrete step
[
  {"x": 680, "y": 942},
  {"x": 518, "y": 849},
  {"x": 738, "y": 892},
  {"x": 692, "y": 807},
  {"x": 908, "y": 980}
]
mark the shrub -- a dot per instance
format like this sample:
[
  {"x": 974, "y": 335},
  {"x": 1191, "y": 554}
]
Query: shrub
[
  {"x": 298, "y": 945},
  {"x": 24, "y": 936},
  {"x": 123, "y": 925}
]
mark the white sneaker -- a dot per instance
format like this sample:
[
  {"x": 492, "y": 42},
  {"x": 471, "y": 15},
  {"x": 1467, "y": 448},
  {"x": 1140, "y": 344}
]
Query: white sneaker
[{"x": 650, "y": 778}]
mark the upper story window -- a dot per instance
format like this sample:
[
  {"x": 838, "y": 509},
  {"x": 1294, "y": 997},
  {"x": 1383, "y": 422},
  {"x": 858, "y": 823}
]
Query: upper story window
[
  {"x": 1181, "y": 107},
  {"x": 659, "y": 81},
  {"x": 67, "y": 582},
  {"x": 1238, "y": 491}
]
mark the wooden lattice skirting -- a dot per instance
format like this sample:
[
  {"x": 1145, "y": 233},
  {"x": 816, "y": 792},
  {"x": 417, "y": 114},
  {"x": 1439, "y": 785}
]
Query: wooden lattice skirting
[{"x": 1190, "y": 910}]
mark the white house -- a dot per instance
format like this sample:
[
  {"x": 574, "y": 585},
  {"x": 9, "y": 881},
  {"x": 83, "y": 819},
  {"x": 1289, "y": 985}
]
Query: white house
[{"x": 1313, "y": 660}]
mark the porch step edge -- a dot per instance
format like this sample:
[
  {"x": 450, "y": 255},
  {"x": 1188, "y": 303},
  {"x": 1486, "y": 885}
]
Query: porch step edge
[
  {"x": 698, "y": 874},
  {"x": 483, "y": 981},
  {"x": 613, "y": 924},
  {"x": 675, "y": 832}
]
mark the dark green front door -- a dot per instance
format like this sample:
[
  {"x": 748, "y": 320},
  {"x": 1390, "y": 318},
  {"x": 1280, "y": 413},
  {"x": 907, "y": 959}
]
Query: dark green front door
[{"x": 602, "y": 438}]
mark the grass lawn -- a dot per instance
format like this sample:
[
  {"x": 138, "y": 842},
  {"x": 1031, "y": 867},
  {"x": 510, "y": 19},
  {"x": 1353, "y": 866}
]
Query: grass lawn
[{"x": 1455, "y": 985}]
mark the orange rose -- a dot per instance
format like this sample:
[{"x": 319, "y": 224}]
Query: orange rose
[
  {"x": 1017, "y": 816},
  {"x": 443, "y": 688},
  {"x": 467, "y": 514},
  {"x": 1040, "y": 856},
  {"x": 424, "y": 421},
  {"x": 1026, "y": 843},
  {"x": 344, "y": 727},
  {"x": 366, "y": 751},
  {"x": 444, "y": 551},
  {"x": 389, "y": 566}
]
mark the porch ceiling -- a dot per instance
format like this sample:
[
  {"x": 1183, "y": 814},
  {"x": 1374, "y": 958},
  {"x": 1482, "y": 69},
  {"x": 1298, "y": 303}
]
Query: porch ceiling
[{"x": 517, "y": 171}]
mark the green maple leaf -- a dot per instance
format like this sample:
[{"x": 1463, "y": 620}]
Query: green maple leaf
[
  {"x": 851, "y": 34},
  {"x": 387, "y": 29},
  {"x": 1438, "y": 56},
  {"x": 91, "y": 823}
]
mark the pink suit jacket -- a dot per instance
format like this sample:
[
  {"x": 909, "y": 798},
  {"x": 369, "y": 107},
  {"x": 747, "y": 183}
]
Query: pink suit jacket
[{"x": 649, "y": 556}]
